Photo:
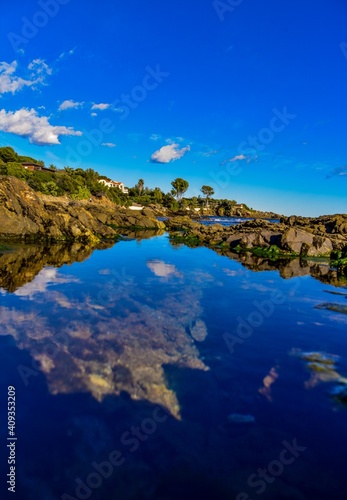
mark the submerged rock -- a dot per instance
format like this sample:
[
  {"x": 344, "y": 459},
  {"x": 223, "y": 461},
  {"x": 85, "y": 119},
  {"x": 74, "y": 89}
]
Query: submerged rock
[
  {"x": 340, "y": 308},
  {"x": 199, "y": 331},
  {"x": 320, "y": 358},
  {"x": 322, "y": 367}
]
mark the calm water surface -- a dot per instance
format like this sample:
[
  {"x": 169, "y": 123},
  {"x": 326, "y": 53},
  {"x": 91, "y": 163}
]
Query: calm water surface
[{"x": 147, "y": 370}]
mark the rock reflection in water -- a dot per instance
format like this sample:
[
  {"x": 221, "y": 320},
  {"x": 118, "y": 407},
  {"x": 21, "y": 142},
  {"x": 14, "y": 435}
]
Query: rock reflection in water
[
  {"x": 322, "y": 367},
  {"x": 22, "y": 263},
  {"x": 290, "y": 268},
  {"x": 104, "y": 342}
]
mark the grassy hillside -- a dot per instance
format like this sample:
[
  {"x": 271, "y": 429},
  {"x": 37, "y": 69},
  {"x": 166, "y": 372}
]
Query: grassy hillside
[
  {"x": 82, "y": 184},
  {"x": 75, "y": 183}
]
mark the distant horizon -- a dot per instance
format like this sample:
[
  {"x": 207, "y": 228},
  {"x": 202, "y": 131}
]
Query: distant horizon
[{"x": 248, "y": 99}]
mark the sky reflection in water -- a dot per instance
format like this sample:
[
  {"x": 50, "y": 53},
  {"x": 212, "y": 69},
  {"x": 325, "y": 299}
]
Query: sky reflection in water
[{"x": 150, "y": 320}]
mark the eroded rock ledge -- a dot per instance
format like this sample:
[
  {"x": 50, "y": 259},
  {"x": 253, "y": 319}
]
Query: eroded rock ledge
[{"x": 28, "y": 216}]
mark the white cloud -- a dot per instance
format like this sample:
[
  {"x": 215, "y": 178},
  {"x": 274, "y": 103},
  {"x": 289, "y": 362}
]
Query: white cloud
[
  {"x": 340, "y": 172},
  {"x": 70, "y": 105},
  {"x": 39, "y": 67},
  {"x": 155, "y": 137},
  {"x": 10, "y": 82},
  {"x": 211, "y": 153},
  {"x": 238, "y": 158},
  {"x": 109, "y": 144},
  {"x": 64, "y": 55},
  {"x": 49, "y": 276},
  {"x": 169, "y": 153},
  {"x": 163, "y": 270},
  {"x": 102, "y": 106},
  {"x": 93, "y": 114},
  {"x": 26, "y": 123},
  {"x": 173, "y": 141}
]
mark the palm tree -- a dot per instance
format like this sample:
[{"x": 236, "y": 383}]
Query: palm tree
[{"x": 140, "y": 185}]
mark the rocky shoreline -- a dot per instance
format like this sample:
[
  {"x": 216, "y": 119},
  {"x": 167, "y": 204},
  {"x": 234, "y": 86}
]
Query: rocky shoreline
[
  {"x": 28, "y": 216},
  {"x": 292, "y": 237}
]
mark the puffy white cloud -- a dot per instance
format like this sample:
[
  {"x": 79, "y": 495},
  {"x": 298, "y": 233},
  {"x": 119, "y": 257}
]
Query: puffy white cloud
[
  {"x": 39, "y": 67},
  {"x": 102, "y": 106},
  {"x": 10, "y": 82},
  {"x": 109, "y": 144},
  {"x": 169, "y": 153},
  {"x": 163, "y": 270},
  {"x": 93, "y": 114},
  {"x": 70, "y": 105},
  {"x": 26, "y": 123}
]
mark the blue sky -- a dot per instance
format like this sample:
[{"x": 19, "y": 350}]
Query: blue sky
[{"x": 246, "y": 96}]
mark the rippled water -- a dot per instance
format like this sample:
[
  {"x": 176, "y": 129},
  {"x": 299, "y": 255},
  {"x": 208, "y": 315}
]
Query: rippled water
[
  {"x": 146, "y": 370},
  {"x": 227, "y": 221},
  {"x": 209, "y": 220}
]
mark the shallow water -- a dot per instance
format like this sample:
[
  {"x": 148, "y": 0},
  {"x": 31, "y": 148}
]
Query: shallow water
[{"x": 183, "y": 372}]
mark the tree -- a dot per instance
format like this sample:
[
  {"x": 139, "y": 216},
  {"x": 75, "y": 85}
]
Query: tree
[
  {"x": 50, "y": 187},
  {"x": 194, "y": 202},
  {"x": 180, "y": 186},
  {"x": 208, "y": 191},
  {"x": 157, "y": 195},
  {"x": 168, "y": 199},
  {"x": 8, "y": 154},
  {"x": 82, "y": 193},
  {"x": 140, "y": 185}
]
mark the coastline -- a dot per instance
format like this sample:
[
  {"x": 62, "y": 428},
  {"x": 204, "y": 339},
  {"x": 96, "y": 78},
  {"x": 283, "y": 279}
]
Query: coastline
[{"x": 27, "y": 216}]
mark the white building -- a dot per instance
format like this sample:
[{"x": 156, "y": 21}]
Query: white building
[{"x": 114, "y": 184}]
